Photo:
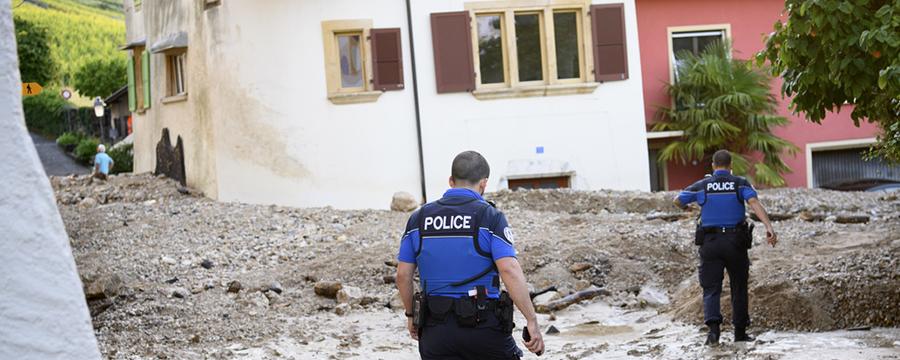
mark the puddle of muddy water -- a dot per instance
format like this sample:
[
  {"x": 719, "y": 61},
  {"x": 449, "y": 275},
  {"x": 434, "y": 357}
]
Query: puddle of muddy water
[{"x": 593, "y": 331}]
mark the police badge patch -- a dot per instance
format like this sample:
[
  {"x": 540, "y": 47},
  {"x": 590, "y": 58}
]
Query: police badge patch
[{"x": 508, "y": 233}]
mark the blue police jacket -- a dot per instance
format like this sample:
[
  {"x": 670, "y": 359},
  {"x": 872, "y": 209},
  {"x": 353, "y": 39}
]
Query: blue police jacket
[
  {"x": 721, "y": 197},
  {"x": 456, "y": 238}
]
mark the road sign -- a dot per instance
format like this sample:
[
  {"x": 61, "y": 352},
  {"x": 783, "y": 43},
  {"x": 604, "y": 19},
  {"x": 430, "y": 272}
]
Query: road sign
[
  {"x": 66, "y": 94},
  {"x": 32, "y": 88}
]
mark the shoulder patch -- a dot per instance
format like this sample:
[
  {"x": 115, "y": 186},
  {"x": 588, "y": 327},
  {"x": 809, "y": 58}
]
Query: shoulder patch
[{"x": 508, "y": 234}]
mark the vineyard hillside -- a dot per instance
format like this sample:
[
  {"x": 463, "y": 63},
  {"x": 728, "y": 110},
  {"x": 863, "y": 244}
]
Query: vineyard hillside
[{"x": 80, "y": 30}]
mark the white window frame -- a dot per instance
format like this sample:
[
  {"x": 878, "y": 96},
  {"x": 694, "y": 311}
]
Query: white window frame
[{"x": 696, "y": 29}]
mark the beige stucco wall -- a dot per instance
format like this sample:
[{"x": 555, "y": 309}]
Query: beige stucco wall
[{"x": 188, "y": 119}]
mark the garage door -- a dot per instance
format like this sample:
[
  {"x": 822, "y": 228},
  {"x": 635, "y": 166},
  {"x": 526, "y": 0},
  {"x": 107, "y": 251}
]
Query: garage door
[{"x": 838, "y": 168}]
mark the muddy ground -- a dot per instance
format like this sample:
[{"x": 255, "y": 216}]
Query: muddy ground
[{"x": 170, "y": 274}]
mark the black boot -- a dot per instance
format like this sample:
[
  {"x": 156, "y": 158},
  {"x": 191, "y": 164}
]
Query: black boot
[
  {"x": 740, "y": 334},
  {"x": 713, "y": 337}
]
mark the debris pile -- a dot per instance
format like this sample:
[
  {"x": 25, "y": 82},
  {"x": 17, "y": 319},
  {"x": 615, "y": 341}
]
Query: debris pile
[{"x": 167, "y": 271}]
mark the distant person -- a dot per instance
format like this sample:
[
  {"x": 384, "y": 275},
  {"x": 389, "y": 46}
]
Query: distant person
[
  {"x": 102, "y": 163},
  {"x": 724, "y": 237},
  {"x": 462, "y": 247}
]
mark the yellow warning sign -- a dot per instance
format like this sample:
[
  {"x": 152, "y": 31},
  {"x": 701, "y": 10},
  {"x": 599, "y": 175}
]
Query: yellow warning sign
[{"x": 31, "y": 89}]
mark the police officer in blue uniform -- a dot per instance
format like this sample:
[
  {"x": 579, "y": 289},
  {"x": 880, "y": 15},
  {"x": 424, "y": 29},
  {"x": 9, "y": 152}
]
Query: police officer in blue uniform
[
  {"x": 462, "y": 246},
  {"x": 724, "y": 237}
]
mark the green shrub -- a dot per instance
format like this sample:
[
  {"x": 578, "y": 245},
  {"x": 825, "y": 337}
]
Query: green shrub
[
  {"x": 44, "y": 112},
  {"x": 67, "y": 139},
  {"x": 123, "y": 156},
  {"x": 86, "y": 150}
]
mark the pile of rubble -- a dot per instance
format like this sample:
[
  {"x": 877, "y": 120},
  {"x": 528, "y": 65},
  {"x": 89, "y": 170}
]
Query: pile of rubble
[{"x": 167, "y": 271}]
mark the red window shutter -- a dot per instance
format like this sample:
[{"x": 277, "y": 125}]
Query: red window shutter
[
  {"x": 387, "y": 59},
  {"x": 451, "y": 39},
  {"x": 610, "y": 57}
]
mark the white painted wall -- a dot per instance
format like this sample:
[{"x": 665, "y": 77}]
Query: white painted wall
[
  {"x": 285, "y": 142},
  {"x": 43, "y": 314},
  {"x": 601, "y": 135}
]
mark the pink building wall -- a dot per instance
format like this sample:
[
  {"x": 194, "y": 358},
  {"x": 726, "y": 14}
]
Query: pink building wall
[{"x": 750, "y": 21}]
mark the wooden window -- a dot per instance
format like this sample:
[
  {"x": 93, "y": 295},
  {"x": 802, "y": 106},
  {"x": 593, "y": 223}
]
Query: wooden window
[
  {"x": 387, "y": 59},
  {"x": 452, "y": 46},
  {"x": 556, "y": 182},
  {"x": 567, "y": 37},
  {"x": 350, "y": 56},
  {"x": 491, "y": 58},
  {"x": 176, "y": 75},
  {"x": 138, "y": 78},
  {"x": 350, "y": 69},
  {"x": 530, "y": 46},
  {"x": 610, "y": 55}
]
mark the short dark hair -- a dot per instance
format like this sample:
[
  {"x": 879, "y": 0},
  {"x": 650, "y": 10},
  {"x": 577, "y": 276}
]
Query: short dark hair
[
  {"x": 721, "y": 158},
  {"x": 470, "y": 167}
]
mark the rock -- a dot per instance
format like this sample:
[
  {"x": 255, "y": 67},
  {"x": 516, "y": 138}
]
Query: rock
[
  {"x": 808, "y": 216},
  {"x": 552, "y": 330},
  {"x": 389, "y": 279},
  {"x": 773, "y": 216},
  {"x": 273, "y": 297},
  {"x": 579, "y": 267},
  {"x": 545, "y": 298},
  {"x": 275, "y": 286},
  {"x": 669, "y": 216},
  {"x": 256, "y": 299},
  {"x": 342, "y": 309},
  {"x": 582, "y": 284},
  {"x": 404, "y": 201},
  {"x": 353, "y": 295},
  {"x": 168, "y": 260},
  {"x": 195, "y": 339},
  {"x": 88, "y": 202},
  {"x": 172, "y": 280},
  {"x": 851, "y": 219},
  {"x": 391, "y": 263},
  {"x": 207, "y": 264},
  {"x": 234, "y": 286},
  {"x": 327, "y": 289},
  {"x": 396, "y": 302},
  {"x": 180, "y": 293},
  {"x": 104, "y": 286},
  {"x": 653, "y": 296}
]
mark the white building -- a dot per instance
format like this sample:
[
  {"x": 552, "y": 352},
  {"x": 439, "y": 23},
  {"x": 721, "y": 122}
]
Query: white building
[{"x": 342, "y": 103}]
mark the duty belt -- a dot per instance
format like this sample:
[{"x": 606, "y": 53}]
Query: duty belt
[{"x": 721, "y": 229}]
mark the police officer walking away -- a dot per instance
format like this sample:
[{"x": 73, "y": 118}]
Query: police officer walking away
[
  {"x": 462, "y": 247},
  {"x": 724, "y": 237}
]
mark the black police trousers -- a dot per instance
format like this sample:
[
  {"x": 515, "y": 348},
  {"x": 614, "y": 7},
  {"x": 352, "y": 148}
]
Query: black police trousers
[
  {"x": 724, "y": 251},
  {"x": 446, "y": 340}
]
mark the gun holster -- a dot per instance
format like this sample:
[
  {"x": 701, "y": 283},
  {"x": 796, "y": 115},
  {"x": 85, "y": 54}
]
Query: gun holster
[
  {"x": 745, "y": 234},
  {"x": 504, "y": 312},
  {"x": 420, "y": 311},
  {"x": 699, "y": 234}
]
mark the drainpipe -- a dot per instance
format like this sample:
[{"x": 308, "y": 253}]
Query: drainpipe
[{"x": 412, "y": 60}]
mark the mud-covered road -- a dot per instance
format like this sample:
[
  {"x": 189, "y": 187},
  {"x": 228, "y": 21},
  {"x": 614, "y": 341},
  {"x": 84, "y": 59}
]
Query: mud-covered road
[{"x": 170, "y": 274}]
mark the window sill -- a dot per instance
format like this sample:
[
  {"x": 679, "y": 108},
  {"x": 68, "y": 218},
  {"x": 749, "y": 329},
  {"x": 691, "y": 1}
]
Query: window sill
[
  {"x": 174, "y": 98},
  {"x": 354, "y": 97},
  {"x": 535, "y": 90}
]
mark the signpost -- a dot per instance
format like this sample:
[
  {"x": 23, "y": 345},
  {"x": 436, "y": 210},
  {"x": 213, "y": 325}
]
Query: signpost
[{"x": 29, "y": 89}]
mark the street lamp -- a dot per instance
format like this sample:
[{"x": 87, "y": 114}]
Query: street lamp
[{"x": 99, "y": 107}]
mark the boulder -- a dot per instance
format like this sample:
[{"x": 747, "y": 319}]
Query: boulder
[
  {"x": 327, "y": 289},
  {"x": 653, "y": 296},
  {"x": 234, "y": 286},
  {"x": 103, "y": 286},
  {"x": 353, "y": 295},
  {"x": 404, "y": 201}
]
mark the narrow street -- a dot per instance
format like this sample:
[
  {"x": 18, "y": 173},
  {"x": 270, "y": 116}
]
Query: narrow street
[{"x": 54, "y": 160}]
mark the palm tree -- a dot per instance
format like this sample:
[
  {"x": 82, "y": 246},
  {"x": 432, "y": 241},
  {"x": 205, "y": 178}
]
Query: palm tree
[{"x": 724, "y": 103}]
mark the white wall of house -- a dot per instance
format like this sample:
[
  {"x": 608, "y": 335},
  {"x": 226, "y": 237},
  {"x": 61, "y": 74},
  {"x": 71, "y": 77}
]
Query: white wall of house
[
  {"x": 280, "y": 140},
  {"x": 258, "y": 126},
  {"x": 43, "y": 314},
  {"x": 601, "y": 135}
]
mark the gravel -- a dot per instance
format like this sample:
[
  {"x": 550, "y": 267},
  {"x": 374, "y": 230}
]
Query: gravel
[{"x": 144, "y": 230}]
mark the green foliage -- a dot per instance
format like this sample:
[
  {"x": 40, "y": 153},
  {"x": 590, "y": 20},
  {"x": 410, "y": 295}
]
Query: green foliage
[
  {"x": 833, "y": 52},
  {"x": 68, "y": 139},
  {"x": 101, "y": 77},
  {"x": 86, "y": 150},
  {"x": 43, "y": 112},
  {"x": 33, "y": 46},
  {"x": 78, "y": 32},
  {"x": 724, "y": 103},
  {"x": 123, "y": 157}
]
